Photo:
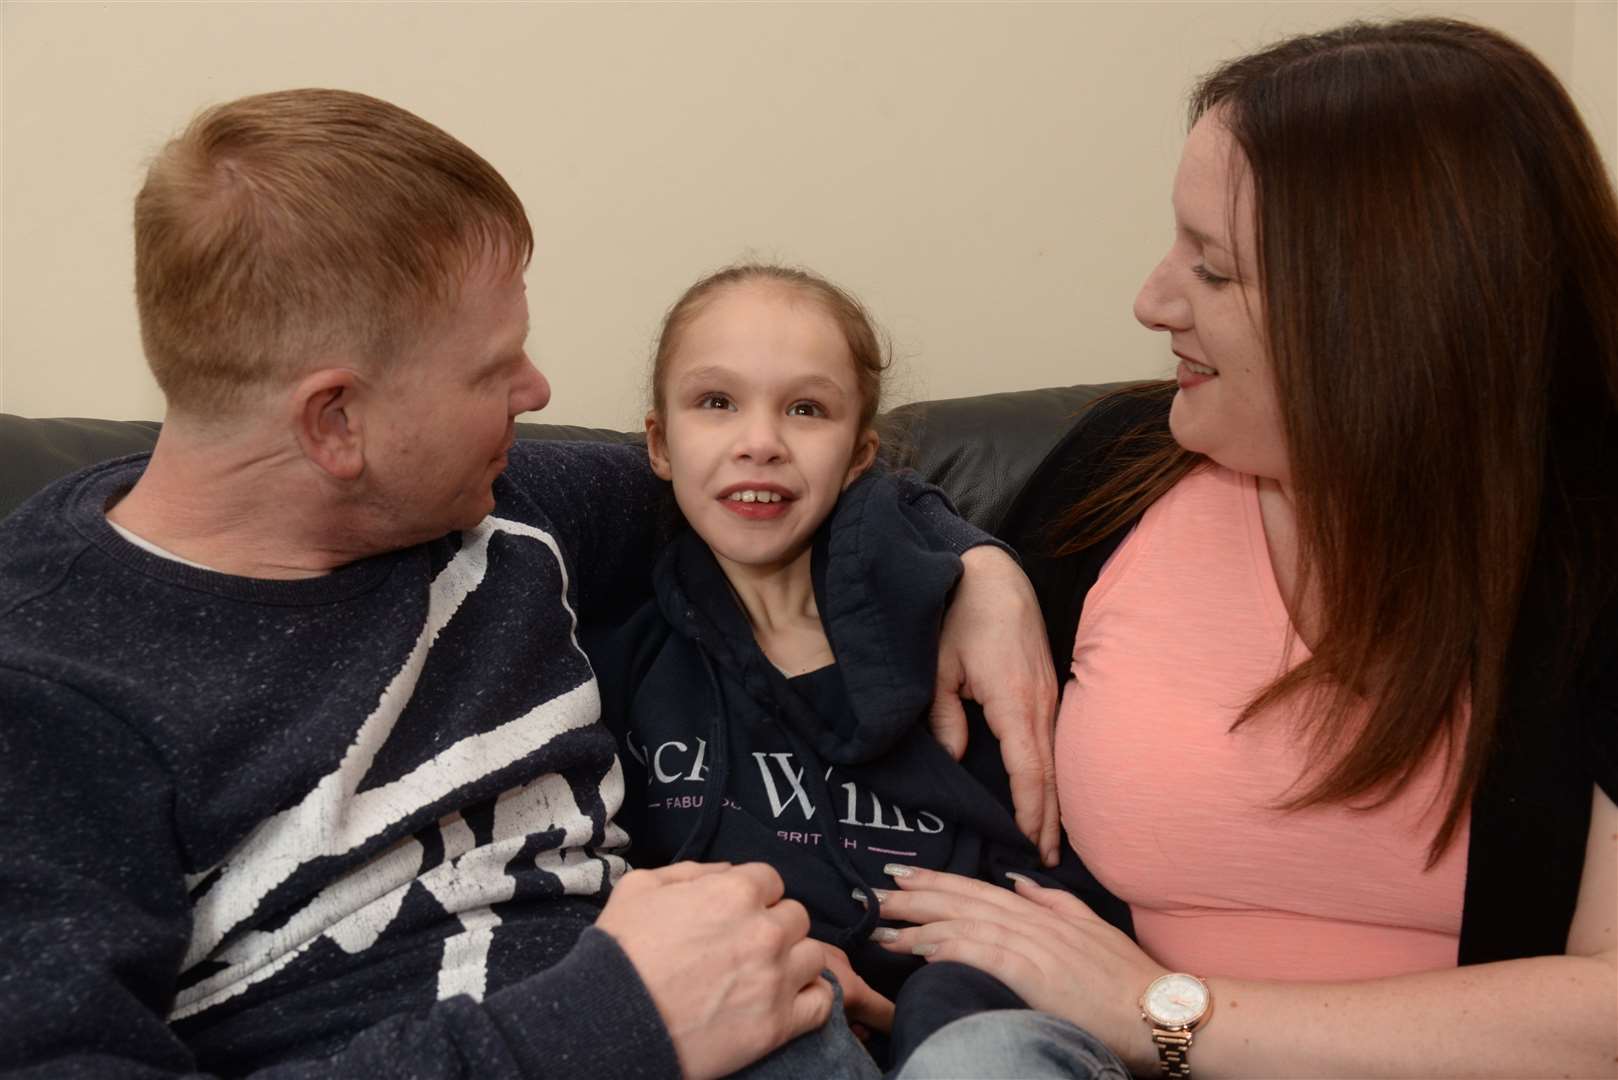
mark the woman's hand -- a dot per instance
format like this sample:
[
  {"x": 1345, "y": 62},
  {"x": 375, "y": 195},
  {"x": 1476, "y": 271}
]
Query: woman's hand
[
  {"x": 1045, "y": 944},
  {"x": 867, "y": 1010},
  {"x": 1536, "y": 1016},
  {"x": 992, "y": 649}
]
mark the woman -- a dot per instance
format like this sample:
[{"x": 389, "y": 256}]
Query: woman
[{"x": 1342, "y": 603}]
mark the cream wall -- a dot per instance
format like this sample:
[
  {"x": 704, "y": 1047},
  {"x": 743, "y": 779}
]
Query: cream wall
[{"x": 991, "y": 177}]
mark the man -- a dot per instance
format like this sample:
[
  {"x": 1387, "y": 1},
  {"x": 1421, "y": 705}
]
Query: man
[{"x": 300, "y": 749}]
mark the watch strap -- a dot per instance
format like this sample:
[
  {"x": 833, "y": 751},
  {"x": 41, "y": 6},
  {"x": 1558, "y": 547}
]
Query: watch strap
[{"x": 1173, "y": 1052}]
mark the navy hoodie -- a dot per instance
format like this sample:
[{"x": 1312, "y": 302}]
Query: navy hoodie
[{"x": 828, "y": 776}]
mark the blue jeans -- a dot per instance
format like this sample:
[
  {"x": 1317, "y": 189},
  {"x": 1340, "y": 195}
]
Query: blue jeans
[
  {"x": 938, "y": 995},
  {"x": 1012, "y": 1043},
  {"x": 1004, "y": 1044},
  {"x": 830, "y": 1051}
]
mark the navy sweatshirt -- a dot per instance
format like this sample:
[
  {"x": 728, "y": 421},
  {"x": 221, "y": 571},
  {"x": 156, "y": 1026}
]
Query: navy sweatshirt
[
  {"x": 358, "y": 824},
  {"x": 828, "y": 776}
]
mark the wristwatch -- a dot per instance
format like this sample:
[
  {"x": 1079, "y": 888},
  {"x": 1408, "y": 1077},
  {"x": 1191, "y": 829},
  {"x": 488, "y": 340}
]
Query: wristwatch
[{"x": 1174, "y": 1006}]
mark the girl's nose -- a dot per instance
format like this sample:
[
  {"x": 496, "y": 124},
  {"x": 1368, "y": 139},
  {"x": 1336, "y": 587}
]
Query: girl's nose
[{"x": 760, "y": 440}]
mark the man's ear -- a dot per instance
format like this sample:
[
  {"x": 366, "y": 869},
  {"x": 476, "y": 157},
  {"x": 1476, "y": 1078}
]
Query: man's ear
[
  {"x": 657, "y": 447},
  {"x": 327, "y": 417},
  {"x": 865, "y": 448}
]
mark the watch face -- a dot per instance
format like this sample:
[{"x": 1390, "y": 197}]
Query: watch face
[{"x": 1175, "y": 1001}]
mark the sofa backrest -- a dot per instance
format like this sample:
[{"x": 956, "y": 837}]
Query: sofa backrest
[{"x": 980, "y": 450}]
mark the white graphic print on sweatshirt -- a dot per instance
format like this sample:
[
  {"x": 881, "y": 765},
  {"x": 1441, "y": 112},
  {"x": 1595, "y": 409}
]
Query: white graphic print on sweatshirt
[{"x": 335, "y": 817}]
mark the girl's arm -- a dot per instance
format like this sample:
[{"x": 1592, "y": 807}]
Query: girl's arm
[{"x": 1545, "y": 1016}]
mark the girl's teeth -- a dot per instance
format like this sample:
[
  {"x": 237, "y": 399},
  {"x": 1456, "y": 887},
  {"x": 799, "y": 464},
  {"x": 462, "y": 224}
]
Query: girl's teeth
[
  {"x": 1200, "y": 369},
  {"x": 755, "y": 496}
]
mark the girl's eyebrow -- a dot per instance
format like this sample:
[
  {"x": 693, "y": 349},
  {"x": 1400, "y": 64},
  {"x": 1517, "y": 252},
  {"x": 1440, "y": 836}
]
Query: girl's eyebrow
[
  {"x": 717, "y": 374},
  {"x": 705, "y": 374},
  {"x": 820, "y": 383}
]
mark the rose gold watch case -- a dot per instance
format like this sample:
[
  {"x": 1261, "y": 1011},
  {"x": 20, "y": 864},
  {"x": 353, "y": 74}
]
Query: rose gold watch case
[{"x": 1190, "y": 1025}]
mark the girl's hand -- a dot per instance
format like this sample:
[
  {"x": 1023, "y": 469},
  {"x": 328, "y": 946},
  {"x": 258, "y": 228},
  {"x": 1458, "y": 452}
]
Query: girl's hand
[
  {"x": 1045, "y": 944},
  {"x": 865, "y": 1008}
]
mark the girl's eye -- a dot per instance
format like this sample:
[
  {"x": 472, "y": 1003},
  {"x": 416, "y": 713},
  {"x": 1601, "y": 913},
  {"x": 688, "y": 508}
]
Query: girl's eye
[
  {"x": 805, "y": 408},
  {"x": 713, "y": 401},
  {"x": 1208, "y": 277}
]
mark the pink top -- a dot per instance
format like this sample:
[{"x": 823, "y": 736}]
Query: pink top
[{"x": 1176, "y": 815}]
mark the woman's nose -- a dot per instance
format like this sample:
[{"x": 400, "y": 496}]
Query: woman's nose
[{"x": 1160, "y": 305}]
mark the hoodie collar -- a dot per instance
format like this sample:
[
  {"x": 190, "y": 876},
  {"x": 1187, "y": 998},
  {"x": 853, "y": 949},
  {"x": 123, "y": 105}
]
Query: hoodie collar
[{"x": 881, "y": 588}]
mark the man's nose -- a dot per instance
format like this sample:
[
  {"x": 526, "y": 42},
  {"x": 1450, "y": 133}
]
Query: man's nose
[{"x": 532, "y": 392}]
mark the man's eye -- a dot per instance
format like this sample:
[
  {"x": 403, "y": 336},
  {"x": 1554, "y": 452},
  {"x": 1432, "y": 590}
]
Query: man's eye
[
  {"x": 713, "y": 401},
  {"x": 1207, "y": 276},
  {"x": 805, "y": 408}
]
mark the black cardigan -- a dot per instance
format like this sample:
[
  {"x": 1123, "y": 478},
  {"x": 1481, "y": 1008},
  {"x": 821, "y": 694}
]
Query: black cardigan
[{"x": 1531, "y": 812}]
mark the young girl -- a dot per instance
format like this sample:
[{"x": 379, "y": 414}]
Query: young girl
[{"x": 771, "y": 700}]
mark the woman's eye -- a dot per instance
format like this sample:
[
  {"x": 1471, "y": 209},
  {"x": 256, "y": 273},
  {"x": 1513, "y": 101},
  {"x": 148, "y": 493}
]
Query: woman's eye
[
  {"x": 805, "y": 408},
  {"x": 1207, "y": 276},
  {"x": 713, "y": 401}
]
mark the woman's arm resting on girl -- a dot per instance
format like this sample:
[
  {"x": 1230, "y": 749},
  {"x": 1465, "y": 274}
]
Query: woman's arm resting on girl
[
  {"x": 1545, "y": 1016},
  {"x": 993, "y": 650}
]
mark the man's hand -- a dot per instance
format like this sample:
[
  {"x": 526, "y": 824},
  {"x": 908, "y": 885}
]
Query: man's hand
[
  {"x": 994, "y": 651},
  {"x": 728, "y": 962}
]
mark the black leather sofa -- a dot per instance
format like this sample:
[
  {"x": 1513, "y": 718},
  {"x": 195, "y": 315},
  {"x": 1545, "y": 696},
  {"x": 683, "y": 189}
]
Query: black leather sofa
[{"x": 981, "y": 450}]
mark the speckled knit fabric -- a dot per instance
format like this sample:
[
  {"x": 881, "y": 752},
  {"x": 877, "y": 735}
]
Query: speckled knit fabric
[{"x": 334, "y": 825}]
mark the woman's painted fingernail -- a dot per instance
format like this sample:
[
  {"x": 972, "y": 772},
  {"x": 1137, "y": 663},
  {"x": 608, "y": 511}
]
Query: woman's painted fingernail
[
  {"x": 1024, "y": 878},
  {"x": 898, "y": 870},
  {"x": 880, "y": 894},
  {"x": 887, "y": 935},
  {"x": 926, "y": 949}
]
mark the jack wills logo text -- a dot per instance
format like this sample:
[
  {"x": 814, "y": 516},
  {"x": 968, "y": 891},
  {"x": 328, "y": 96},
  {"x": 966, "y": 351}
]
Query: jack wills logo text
[{"x": 782, "y": 778}]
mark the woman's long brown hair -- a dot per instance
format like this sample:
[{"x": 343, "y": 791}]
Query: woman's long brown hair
[{"x": 1437, "y": 247}]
